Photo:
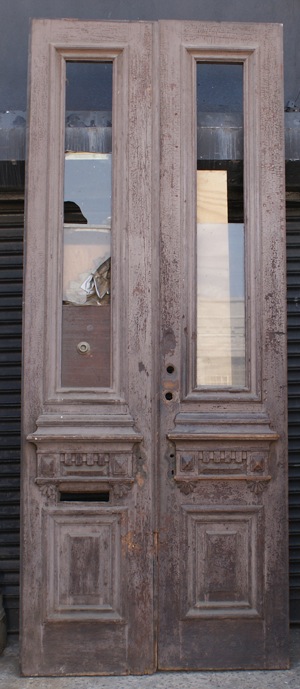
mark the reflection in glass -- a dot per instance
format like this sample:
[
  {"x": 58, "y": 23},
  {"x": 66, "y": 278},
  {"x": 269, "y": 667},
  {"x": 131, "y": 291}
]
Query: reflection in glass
[
  {"x": 86, "y": 332},
  {"x": 87, "y": 192},
  {"x": 220, "y": 242}
]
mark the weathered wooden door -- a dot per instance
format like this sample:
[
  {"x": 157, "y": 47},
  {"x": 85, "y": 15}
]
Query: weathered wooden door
[
  {"x": 88, "y": 548},
  {"x": 223, "y": 533},
  {"x": 154, "y": 493}
]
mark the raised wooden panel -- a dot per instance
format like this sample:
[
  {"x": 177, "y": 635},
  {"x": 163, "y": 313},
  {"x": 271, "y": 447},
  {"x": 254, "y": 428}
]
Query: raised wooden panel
[
  {"x": 85, "y": 572},
  {"x": 223, "y": 570},
  {"x": 89, "y": 325}
]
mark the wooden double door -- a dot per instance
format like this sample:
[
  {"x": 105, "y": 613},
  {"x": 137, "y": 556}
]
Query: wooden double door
[{"x": 154, "y": 498}]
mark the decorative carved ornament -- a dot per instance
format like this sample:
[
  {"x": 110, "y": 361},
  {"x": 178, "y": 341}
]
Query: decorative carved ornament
[
  {"x": 84, "y": 459},
  {"x": 227, "y": 464},
  {"x": 187, "y": 487},
  {"x": 102, "y": 463},
  {"x": 257, "y": 487},
  {"x": 49, "y": 491}
]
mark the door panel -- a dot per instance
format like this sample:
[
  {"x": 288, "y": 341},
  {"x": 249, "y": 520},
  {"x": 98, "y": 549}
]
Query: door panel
[
  {"x": 88, "y": 452},
  {"x": 222, "y": 459},
  {"x": 154, "y": 496}
]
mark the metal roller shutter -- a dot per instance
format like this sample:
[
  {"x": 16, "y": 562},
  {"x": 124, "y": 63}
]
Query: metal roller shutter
[
  {"x": 11, "y": 243},
  {"x": 293, "y": 310}
]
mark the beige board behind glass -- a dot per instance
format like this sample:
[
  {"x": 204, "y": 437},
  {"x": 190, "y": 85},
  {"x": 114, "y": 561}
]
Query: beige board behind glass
[{"x": 220, "y": 314}]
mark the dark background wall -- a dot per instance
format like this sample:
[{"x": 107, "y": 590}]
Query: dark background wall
[{"x": 15, "y": 26}]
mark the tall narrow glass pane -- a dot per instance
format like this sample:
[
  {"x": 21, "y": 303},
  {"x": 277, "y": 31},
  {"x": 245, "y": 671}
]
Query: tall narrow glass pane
[
  {"x": 221, "y": 360},
  {"x": 86, "y": 319}
]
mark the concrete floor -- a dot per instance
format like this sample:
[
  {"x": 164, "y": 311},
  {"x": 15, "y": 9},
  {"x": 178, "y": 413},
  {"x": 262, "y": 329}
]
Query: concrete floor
[{"x": 287, "y": 679}]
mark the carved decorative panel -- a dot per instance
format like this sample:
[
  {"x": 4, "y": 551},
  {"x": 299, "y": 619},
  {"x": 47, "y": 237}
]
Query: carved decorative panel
[
  {"x": 229, "y": 460},
  {"x": 222, "y": 460},
  {"x": 85, "y": 576},
  {"x": 78, "y": 463},
  {"x": 223, "y": 569}
]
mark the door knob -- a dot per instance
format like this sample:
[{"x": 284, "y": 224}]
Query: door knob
[{"x": 83, "y": 347}]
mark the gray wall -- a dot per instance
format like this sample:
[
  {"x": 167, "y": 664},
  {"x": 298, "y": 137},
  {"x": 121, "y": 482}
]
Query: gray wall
[{"x": 15, "y": 25}]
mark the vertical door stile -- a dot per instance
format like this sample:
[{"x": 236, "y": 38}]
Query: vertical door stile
[{"x": 155, "y": 317}]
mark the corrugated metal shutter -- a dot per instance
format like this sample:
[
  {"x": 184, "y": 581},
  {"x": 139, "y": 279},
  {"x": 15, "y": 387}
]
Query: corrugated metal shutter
[
  {"x": 11, "y": 243},
  {"x": 293, "y": 309}
]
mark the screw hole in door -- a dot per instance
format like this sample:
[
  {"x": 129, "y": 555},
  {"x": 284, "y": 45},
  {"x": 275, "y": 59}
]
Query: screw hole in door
[
  {"x": 168, "y": 396},
  {"x": 170, "y": 369}
]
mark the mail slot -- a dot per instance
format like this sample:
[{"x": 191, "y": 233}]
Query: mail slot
[{"x": 102, "y": 496}]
